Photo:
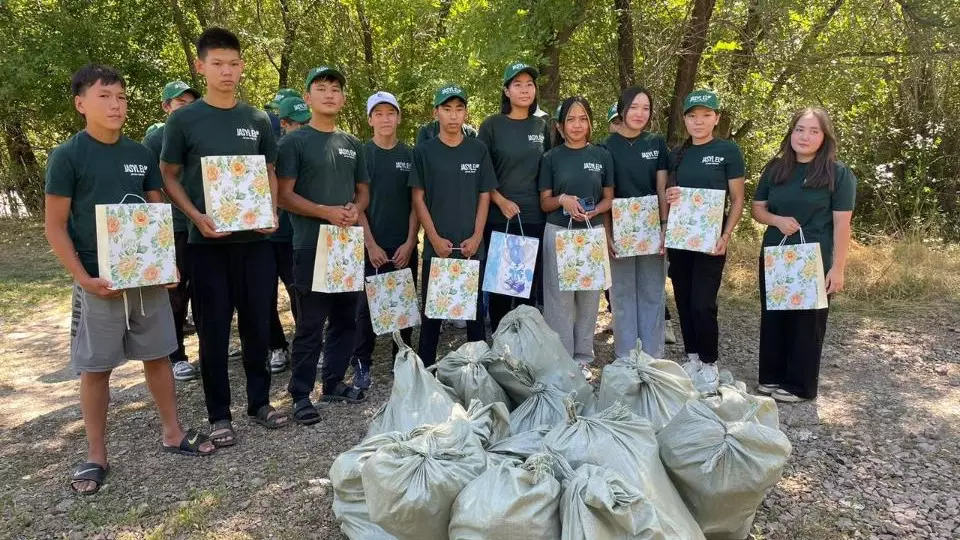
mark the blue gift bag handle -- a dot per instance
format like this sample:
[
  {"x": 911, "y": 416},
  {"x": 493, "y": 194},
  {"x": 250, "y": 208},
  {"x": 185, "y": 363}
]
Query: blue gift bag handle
[{"x": 506, "y": 229}]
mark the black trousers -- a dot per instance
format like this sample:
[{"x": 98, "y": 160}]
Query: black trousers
[
  {"x": 283, "y": 255},
  {"x": 227, "y": 277},
  {"x": 501, "y": 304},
  {"x": 366, "y": 339},
  {"x": 696, "y": 281},
  {"x": 791, "y": 345},
  {"x": 430, "y": 328},
  {"x": 180, "y": 296},
  {"x": 314, "y": 309}
]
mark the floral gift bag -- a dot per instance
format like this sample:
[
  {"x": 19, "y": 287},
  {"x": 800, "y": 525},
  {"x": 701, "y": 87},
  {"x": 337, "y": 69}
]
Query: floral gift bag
[
  {"x": 511, "y": 262},
  {"x": 636, "y": 226},
  {"x": 392, "y": 298},
  {"x": 236, "y": 192},
  {"x": 695, "y": 221},
  {"x": 793, "y": 276},
  {"x": 339, "y": 264},
  {"x": 452, "y": 289},
  {"x": 135, "y": 245},
  {"x": 583, "y": 263}
]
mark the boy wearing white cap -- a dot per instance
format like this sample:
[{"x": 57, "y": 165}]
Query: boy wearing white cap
[{"x": 390, "y": 225}]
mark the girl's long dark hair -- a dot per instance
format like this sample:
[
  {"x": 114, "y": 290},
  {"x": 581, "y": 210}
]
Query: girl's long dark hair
[
  {"x": 626, "y": 99},
  {"x": 821, "y": 172},
  {"x": 675, "y": 163},
  {"x": 506, "y": 106},
  {"x": 565, "y": 109}
]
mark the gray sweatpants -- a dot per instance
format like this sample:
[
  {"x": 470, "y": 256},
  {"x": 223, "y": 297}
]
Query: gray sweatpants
[
  {"x": 638, "y": 299},
  {"x": 572, "y": 314}
]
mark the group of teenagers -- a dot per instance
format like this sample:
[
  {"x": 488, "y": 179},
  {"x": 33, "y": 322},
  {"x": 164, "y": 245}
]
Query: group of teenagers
[{"x": 523, "y": 171}]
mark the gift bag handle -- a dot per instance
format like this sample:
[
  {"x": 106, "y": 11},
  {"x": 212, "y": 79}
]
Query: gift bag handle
[
  {"x": 570, "y": 223},
  {"x": 802, "y": 239},
  {"x": 506, "y": 229},
  {"x": 132, "y": 195},
  {"x": 461, "y": 251}
]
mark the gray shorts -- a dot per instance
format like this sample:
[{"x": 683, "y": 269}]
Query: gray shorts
[{"x": 100, "y": 338}]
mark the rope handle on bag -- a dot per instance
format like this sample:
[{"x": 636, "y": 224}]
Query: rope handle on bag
[
  {"x": 461, "y": 251},
  {"x": 506, "y": 229},
  {"x": 802, "y": 239},
  {"x": 132, "y": 195},
  {"x": 587, "y": 221}
]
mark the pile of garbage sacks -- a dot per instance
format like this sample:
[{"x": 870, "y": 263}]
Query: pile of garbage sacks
[{"x": 510, "y": 441}]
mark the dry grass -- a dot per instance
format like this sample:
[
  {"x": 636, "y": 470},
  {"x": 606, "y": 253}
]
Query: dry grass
[{"x": 31, "y": 277}]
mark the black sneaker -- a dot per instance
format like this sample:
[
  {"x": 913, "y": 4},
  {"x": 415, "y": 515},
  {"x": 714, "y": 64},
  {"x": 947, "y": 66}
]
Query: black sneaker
[{"x": 361, "y": 374}]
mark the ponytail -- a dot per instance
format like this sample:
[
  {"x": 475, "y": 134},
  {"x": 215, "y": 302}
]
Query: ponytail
[{"x": 672, "y": 180}]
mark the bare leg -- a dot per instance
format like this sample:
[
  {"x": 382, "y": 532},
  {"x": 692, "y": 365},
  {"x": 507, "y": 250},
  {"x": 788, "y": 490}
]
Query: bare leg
[
  {"x": 159, "y": 376},
  {"x": 94, "y": 397}
]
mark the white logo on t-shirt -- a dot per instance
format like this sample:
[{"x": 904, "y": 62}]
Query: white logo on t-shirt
[
  {"x": 712, "y": 160},
  {"x": 469, "y": 168},
  {"x": 403, "y": 166},
  {"x": 535, "y": 138},
  {"x": 347, "y": 153},
  {"x": 248, "y": 134},
  {"x": 593, "y": 167},
  {"x": 650, "y": 154},
  {"x": 135, "y": 169}
]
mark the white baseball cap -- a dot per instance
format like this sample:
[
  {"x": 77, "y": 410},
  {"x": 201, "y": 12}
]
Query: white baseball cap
[{"x": 381, "y": 97}]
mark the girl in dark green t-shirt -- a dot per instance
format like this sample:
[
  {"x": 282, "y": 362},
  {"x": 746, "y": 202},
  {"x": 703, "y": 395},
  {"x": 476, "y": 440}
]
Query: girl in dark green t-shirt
[
  {"x": 802, "y": 189},
  {"x": 516, "y": 139},
  {"x": 703, "y": 161}
]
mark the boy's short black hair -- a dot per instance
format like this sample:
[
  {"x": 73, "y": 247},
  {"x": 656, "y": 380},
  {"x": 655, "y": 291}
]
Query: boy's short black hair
[
  {"x": 216, "y": 38},
  {"x": 92, "y": 73},
  {"x": 327, "y": 78}
]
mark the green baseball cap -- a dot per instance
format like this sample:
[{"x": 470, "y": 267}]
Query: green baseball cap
[
  {"x": 447, "y": 92},
  {"x": 175, "y": 89},
  {"x": 294, "y": 108},
  {"x": 324, "y": 71},
  {"x": 612, "y": 113},
  {"x": 281, "y": 95},
  {"x": 517, "y": 68},
  {"x": 701, "y": 98},
  {"x": 153, "y": 128}
]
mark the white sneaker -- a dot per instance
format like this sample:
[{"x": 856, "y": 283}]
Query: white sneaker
[
  {"x": 786, "y": 397},
  {"x": 279, "y": 360},
  {"x": 692, "y": 365},
  {"x": 585, "y": 370},
  {"x": 668, "y": 336},
  {"x": 767, "y": 389},
  {"x": 183, "y": 371}
]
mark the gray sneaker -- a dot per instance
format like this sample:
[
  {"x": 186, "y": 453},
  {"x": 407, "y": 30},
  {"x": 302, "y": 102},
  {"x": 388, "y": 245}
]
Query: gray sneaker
[
  {"x": 183, "y": 371},
  {"x": 361, "y": 375},
  {"x": 279, "y": 360}
]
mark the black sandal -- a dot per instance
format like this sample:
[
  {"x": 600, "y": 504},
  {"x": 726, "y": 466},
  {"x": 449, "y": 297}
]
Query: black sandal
[
  {"x": 264, "y": 418},
  {"x": 229, "y": 438},
  {"x": 304, "y": 413},
  {"x": 344, "y": 393},
  {"x": 89, "y": 472},
  {"x": 190, "y": 445}
]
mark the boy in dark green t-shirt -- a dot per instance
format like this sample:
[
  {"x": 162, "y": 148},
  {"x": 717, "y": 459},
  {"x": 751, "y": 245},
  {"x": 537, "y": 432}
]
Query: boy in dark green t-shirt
[
  {"x": 175, "y": 95},
  {"x": 451, "y": 176},
  {"x": 323, "y": 180},
  {"x": 229, "y": 270},
  {"x": 100, "y": 166},
  {"x": 390, "y": 225}
]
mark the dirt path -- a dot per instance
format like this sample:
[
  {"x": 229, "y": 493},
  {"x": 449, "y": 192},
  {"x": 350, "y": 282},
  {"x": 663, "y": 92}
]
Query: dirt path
[{"x": 875, "y": 457}]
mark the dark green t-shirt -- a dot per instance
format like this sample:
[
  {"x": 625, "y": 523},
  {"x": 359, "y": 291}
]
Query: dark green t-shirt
[
  {"x": 326, "y": 168},
  {"x": 813, "y": 208},
  {"x": 452, "y": 178},
  {"x": 199, "y": 130},
  {"x": 91, "y": 173},
  {"x": 710, "y": 165},
  {"x": 154, "y": 141},
  {"x": 582, "y": 172},
  {"x": 516, "y": 147},
  {"x": 389, "y": 210},
  {"x": 430, "y": 130},
  {"x": 636, "y": 162}
]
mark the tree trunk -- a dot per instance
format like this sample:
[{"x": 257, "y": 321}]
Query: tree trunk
[
  {"x": 367, "y": 32},
  {"x": 691, "y": 49},
  {"x": 289, "y": 39},
  {"x": 751, "y": 35},
  {"x": 27, "y": 182},
  {"x": 186, "y": 41},
  {"x": 442, "y": 16},
  {"x": 625, "y": 44},
  {"x": 549, "y": 68},
  {"x": 809, "y": 43},
  {"x": 201, "y": 12}
]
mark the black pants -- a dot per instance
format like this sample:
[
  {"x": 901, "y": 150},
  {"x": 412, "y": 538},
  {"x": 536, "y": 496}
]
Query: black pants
[
  {"x": 501, "y": 304},
  {"x": 283, "y": 255},
  {"x": 696, "y": 281},
  {"x": 227, "y": 277},
  {"x": 314, "y": 309},
  {"x": 791, "y": 344},
  {"x": 366, "y": 339},
  {"x": 430, "y": 328},
  {"x": 180, "y": 296}
]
